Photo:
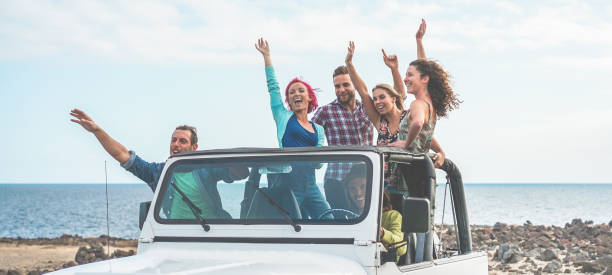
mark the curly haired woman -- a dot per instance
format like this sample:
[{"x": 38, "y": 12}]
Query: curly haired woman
[{"x": 434, "y": 98}]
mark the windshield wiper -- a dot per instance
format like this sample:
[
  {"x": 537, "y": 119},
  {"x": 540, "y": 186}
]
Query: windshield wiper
[
  {"x": 282, "y": 211},
  {"x": 194, "y": 209}
]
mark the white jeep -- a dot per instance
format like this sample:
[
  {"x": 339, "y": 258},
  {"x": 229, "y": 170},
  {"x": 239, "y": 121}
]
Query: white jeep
[{"x": 199, "y": 224}]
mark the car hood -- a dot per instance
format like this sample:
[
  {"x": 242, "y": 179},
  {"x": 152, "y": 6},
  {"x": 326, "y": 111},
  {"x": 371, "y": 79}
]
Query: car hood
[{"x": 174, "y": 261}]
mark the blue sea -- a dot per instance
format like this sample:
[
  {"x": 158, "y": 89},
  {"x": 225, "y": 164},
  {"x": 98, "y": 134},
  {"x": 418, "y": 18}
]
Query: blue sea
[{"x": 50, "y": 210}]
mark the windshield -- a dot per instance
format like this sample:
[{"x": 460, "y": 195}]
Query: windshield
[{"x": 257, "y": 190}]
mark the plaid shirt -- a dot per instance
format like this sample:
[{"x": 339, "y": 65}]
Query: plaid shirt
[{"x": 343, "y": 127}]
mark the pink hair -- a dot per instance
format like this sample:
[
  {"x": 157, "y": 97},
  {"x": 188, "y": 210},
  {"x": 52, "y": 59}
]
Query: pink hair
[{"x": 313, "y": 104}]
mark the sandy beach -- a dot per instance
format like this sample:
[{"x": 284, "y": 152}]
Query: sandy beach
[
  {"x": 576, "y": 248},
  {"x": 37, "y": 256}
]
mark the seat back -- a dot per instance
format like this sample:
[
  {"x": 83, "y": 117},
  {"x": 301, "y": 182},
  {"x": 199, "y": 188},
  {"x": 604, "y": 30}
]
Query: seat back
[{"x": 262, "y": 208}]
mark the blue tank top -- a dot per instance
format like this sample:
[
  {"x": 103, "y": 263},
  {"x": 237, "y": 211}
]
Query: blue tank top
[{"x": 296, "y": 136}]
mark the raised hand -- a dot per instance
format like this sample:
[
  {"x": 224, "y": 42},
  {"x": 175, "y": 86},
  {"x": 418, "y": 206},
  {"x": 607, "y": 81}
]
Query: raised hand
[
  {"x": 421, "y": 32},
  {"x": 84, "y": 120},
  {"x": 263, "y": 47},
  {"x": 390, "y": 60},
  {"x": 350, "y": 53}
]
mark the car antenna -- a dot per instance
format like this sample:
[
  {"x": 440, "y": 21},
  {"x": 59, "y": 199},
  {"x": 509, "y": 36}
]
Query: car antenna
[{"x": 107, "y": 223}]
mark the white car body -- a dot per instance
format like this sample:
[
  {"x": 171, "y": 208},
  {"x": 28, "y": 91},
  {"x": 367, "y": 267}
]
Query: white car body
[{"x": 273, "y": 248}]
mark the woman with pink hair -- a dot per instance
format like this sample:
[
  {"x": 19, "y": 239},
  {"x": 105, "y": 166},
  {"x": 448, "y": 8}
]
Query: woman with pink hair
[{"x": 293, "y": 129}]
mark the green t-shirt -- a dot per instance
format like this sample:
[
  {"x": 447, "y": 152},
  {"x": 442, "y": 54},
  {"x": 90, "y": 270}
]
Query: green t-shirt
[{"x": 194, "y": 192}]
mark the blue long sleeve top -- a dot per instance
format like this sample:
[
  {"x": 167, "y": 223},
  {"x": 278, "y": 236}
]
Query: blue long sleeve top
[{"x": 280, "y": 113}]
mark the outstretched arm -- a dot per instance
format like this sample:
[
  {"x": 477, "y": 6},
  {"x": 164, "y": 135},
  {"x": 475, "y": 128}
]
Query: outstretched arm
[
  {"x": 393, "y": 63},
  {"x": 419, "y": 40},
  {"x": 114, "y": 148},
  {"x": 360, "y": 86}
]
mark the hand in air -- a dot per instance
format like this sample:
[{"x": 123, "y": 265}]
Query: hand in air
[
  {"x": 390, "y": 60},
  {"x": 421, "y": 32},
  {"x": 84, "y": 120},
  {"x": 351, "y": 51},
  {"x": 262, "y": 46}
]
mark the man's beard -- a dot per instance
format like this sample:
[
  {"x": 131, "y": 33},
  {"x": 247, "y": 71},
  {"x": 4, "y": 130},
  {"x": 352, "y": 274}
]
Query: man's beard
[{"x": 350, "y": 97}]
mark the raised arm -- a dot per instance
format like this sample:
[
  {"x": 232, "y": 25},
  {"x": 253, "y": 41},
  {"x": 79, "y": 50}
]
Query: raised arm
[
  {"x": 280, "y": 114},
  {"x": 276, "y": 102},
  {"x": 419, "y": 40},
  {"x": 360, "y": 86},
  {"x": 393, "y": 63},
  {"x": 114, "y": 148}
]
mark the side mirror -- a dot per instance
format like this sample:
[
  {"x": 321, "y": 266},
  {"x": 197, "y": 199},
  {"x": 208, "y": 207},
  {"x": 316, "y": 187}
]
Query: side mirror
[
  {"x": 144, "y": 210},
  {"x": 415, "y": 217}
]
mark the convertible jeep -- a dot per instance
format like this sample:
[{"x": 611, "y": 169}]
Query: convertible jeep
[{"x": 251, "y": 211}]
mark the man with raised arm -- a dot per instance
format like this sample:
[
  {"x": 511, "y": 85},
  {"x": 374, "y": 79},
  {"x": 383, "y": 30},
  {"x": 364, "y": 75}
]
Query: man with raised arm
[
  {"x": 345, "y": 123},
  {"x": 184, "y": 139}
]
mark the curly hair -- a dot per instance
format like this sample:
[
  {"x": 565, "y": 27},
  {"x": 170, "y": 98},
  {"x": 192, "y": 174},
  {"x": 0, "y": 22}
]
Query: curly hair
[
  {"x": 442, "y": 96},
  {"x": 399, "y": 102}
]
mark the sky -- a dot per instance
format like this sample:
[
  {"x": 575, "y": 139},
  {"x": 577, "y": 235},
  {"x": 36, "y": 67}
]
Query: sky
[{"x": 533, "y": 77}]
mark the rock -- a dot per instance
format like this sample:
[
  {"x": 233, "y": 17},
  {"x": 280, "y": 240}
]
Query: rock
[
  {"x": 552, "y": 267},
  {"x": 533, "y": 252},
  {"x": 122, "y": 253},
  {"x": 509, "y": 253},
  {"x": 499, "y": 226},
  {"x": 576, "y": 222},
  {"x": 605, "y": 261},
  {"x": 69, "y": 264},
  {"x": 567, "y": 270},
  {"x": 34, "y": 272},
  {"x": 88, "y": 255},
  {"x": 548, "y": 255},
  {"x": 591, "y": 267},
  {"x": 13, "y": 272}
]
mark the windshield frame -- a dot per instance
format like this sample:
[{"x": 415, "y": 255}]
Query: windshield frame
[{"x": 248, "y": 161}]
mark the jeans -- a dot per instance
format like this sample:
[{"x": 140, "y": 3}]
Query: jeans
[{"x": 308, "y": 195}]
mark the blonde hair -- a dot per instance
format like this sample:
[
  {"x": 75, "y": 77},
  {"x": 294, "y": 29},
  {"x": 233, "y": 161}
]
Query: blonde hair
[{"x": 399, "y": 102}]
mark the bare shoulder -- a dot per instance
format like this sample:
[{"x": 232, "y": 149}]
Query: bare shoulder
[{"x": 418, "y": 104}]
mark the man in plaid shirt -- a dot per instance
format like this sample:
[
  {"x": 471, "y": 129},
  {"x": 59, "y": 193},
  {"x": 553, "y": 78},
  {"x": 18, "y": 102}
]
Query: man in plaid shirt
[{"x": 346, "y": 123}]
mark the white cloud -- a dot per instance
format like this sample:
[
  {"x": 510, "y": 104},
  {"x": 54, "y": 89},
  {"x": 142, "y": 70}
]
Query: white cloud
[
  {"x": 580, "y": 63},
  {"x": 224, "y": 31}
]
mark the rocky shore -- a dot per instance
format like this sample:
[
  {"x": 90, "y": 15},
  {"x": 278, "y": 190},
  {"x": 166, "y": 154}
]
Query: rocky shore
[{"x": 576, "y": 248}]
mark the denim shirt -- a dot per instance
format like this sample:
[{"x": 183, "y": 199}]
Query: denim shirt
[{"x": 150, "y": 172}]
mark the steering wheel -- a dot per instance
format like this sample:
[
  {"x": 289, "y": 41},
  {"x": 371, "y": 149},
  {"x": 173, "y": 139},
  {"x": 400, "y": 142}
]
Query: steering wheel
[{"x": 348, "y": 214}]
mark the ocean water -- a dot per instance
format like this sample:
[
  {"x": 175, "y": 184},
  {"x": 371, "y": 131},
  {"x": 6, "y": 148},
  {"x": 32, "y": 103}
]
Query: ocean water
[{"x": 50, "y": 210}]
